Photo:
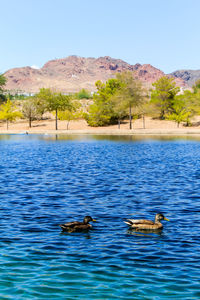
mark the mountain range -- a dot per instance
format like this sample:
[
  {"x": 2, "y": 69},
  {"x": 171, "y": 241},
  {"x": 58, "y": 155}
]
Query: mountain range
[{"x": 73, "y": 73}]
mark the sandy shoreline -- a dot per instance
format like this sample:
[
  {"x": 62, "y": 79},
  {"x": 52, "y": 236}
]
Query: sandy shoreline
[{"x": 153, "y": 127}]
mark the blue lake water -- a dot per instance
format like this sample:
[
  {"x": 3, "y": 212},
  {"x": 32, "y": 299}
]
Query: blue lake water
[{"x": 45, "y": 181}]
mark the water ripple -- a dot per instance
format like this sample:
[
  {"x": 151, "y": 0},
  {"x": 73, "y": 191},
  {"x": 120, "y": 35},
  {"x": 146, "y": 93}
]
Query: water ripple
[{"x": 45, "y": 182}]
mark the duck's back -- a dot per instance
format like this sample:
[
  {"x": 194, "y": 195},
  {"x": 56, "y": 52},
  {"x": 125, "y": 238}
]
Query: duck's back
[
  {"x": 140, "y": 221},
  {"x": 72, "y": 224}
]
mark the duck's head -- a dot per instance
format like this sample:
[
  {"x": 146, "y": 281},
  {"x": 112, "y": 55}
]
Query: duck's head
[
  {"x": 88, "y": 219},
  {"x": 160, "y": 217}
]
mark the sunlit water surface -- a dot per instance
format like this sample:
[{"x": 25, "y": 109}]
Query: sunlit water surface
[{"x": 46, "y": 181}]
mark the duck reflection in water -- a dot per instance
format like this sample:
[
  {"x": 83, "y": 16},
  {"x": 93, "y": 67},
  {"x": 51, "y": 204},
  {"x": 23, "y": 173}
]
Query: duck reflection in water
[
  {"x": 85, "y": 234},
  {"x": 141, "y": 232}
]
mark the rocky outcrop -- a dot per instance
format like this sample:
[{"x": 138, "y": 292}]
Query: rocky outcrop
[
  {"x": 73, "y": 73},
  {"x": 189, "y": 76}
]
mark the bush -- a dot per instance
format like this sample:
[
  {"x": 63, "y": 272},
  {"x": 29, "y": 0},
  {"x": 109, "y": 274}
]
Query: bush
[{"x": 83, "y": 94}]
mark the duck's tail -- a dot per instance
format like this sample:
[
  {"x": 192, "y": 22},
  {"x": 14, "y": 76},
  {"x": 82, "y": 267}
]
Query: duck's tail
[
  {"x": 63, "y": 227},
  {"x": 128, "y": 222}
]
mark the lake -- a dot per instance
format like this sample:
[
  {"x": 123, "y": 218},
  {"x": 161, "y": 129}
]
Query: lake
[{"x": 48, "y": 180}]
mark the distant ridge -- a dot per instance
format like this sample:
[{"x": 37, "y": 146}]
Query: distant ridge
[
  {"x": 73, "y": 73},
  {"x": 189, "y": 76}
]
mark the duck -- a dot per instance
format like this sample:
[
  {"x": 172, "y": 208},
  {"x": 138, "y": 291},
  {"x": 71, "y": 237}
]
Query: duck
[
  {"x": 77, "y": 226},
  {"x": 141, "y": 224}
]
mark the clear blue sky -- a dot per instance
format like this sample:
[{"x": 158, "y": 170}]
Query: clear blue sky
[{"x": 164, "y": 33}]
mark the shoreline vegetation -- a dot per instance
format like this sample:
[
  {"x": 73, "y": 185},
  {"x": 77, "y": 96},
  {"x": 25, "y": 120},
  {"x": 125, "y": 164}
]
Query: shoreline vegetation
[{"x": 121, "y": 106}]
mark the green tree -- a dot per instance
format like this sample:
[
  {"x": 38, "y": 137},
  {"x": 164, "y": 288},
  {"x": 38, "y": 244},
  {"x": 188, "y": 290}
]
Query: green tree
[
  {"x": 8, "y": 112},
  {"x": 69, "y": 115},
  {"x": 30, "y": 110},
  {"x": 190, "y": 102},
  {"x": 54, "y": 102},
  {"x": 144, "y": 109},
  {"x": 16, "y": 96},
  {"x": 180, "y": 112},
  {"x": 163, "y": 95},
  {"x": 2, "y": 84},
  {"x": 101, "y": 112},
  {"x": 83, "y": 94},
  {"x": 119, "y": 108},
  {"x": 196, "y": 86},
  {"x": 40, "y": 105},
  {"x": 131, "y": 92}
]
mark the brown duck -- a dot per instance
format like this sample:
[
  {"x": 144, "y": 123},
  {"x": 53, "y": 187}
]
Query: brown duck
[
  {"x": 76, "y": 226},
  {"x": 147, "y": 224}
]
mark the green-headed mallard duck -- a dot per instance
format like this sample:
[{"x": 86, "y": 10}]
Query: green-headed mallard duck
[
  {"x": 78, "y": 226},
  {"x": 147, "y": 224}
]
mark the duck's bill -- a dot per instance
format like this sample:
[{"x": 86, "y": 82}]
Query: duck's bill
[
  {"x": 94, "y": 220},
  {"x": 166, "y": 219}
]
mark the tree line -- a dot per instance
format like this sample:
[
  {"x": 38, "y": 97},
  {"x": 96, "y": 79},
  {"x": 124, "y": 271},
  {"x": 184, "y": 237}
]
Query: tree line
[{"x": 123, "y": 97}]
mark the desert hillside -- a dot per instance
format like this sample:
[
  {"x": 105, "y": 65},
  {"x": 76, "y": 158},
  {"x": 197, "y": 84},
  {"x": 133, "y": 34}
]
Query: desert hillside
[{"x": 73, "y": 73}]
